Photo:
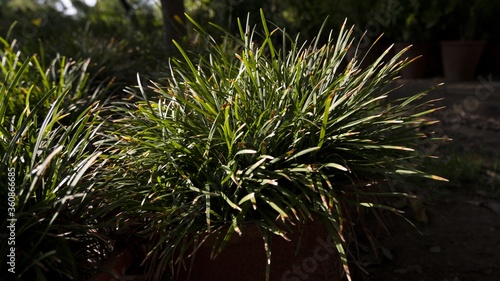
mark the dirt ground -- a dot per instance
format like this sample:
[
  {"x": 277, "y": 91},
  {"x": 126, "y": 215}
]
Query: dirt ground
[
  {"x": 461, "y": 239},
  {"x": 460, "y": 242}
]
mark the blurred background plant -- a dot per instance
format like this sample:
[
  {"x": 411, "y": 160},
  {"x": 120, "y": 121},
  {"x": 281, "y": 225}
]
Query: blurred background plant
[
  {"x": 414, "y": 21},
  {"x": 125, "y": 36},
  {"x": 120, "y": 44},
  {"x": 466, "y": 20}
]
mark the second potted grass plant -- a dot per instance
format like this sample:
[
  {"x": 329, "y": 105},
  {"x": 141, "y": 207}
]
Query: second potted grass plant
[{"x": 261, "y": 147}]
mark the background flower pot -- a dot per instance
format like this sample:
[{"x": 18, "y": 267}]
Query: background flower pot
[
  {"x": 310, "y": 255},
  {"x": 418, "y": 68},
  {"x": 460, "y": 58}
]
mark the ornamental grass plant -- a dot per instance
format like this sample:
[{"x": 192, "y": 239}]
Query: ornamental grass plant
[
  {"x": 258, "y": 130},
  {"x": 49, "y": 125}
]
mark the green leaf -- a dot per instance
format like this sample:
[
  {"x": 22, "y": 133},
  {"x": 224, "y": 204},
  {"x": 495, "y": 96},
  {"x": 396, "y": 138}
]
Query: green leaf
[
  {"x": 336, "y": 166},
  {"x": 304, "y": 152}
]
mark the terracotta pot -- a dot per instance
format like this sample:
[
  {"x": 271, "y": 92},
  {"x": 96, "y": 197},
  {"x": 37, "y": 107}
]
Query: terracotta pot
[
  {"x": 418, "y": 68},
  {"x": 460, "y": 58},
  {"x": 310, "y": 255},
  {"x": 115, "y": 267}
]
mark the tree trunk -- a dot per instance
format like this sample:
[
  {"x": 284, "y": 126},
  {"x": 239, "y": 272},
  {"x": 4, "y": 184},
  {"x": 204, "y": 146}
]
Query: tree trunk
[{"x": 173, "y": 23}]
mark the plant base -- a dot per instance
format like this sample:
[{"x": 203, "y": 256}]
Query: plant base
[{"x": 310, "y": 255}]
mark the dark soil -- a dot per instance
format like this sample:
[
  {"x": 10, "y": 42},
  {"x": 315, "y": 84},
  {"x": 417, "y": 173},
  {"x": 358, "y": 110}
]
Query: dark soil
[{"x": 461, "y": 239}]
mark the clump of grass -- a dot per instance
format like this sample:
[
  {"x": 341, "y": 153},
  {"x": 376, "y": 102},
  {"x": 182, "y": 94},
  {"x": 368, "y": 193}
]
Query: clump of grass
[
  {"x": 49, "y": 125},
  {"x": 254, "y": 134}
]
